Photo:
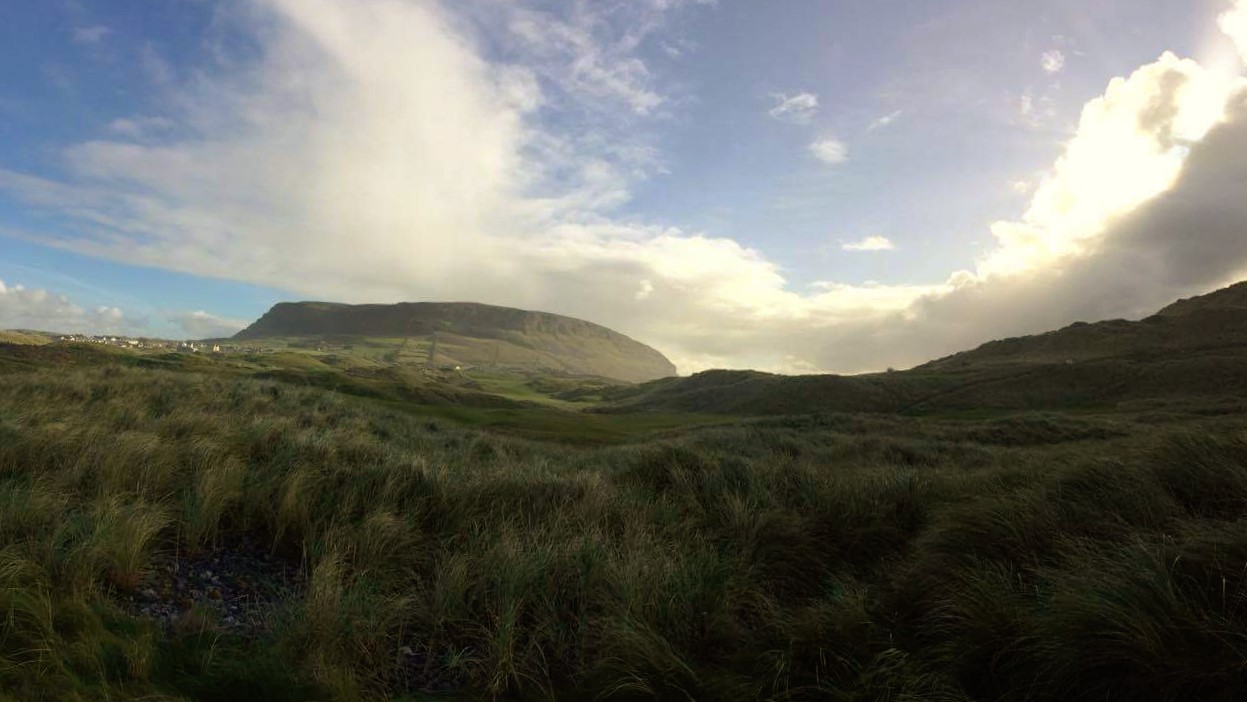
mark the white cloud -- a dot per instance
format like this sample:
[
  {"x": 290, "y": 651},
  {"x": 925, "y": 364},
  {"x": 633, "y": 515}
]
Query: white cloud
[
  {"x": 885, "y": 120},
  {"x": 830, "y": 150},
  {"x": 1234, "y": 23},
  {"x": 1130, "y": 146},
  {"x": 331, "y": 170},
  {"x": 870, "y": 243},
  {"x": 91, "y": 35},
  {"x": 41, "y": 310},
  {"x": 797, "y": 109},
  {"x": 1053, "y": 61},
  {"x": 204, "y": 325}
]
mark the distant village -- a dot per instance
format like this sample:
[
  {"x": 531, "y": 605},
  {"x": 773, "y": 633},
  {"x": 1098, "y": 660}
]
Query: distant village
[{"x": 140, "y": 343}]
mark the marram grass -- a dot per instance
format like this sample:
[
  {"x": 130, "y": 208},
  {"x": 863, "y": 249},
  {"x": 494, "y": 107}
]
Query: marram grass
[{"x": 841, "y": 559}]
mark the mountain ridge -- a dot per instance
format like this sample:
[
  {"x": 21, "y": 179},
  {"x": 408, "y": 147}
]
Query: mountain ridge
[
  {"x": 1195, "y": 347},
  {"x": 1233, "y": 297},
  {"x": 1212, "y": 320}
]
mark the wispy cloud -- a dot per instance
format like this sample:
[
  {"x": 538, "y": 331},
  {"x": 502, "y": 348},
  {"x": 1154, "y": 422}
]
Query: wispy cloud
[
  {"x": 60, "y": 76},
  {"x": 1035, "y": 110},
  {"x": 140, "y": 126},
  {"x": 885, "y": 120},
  {"x": 154, "y": 65},
  {"x": 587, "y": 55},
  {"x": 797, "y": 109},
  {"x": 91, "y": 35},
  {"x": 870, "y": 244}
]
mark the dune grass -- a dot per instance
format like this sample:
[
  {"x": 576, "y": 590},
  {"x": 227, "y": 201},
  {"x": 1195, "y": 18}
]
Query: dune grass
[{"x": 819, "y": 558}]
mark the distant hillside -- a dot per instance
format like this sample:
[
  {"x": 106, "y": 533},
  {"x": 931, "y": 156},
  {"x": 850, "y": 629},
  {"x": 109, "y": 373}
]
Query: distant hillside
[
  {"x": 22, "y": 337},
  {"x": 467, "y": 334},
  {"x": 1213, "y": 321},
  {"x": 1196, "y": 348},
  {"x": 1233, "y": 298}
]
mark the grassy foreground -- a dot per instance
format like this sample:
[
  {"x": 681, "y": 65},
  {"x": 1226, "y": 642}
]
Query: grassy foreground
[{"x": 836, "y": 557}]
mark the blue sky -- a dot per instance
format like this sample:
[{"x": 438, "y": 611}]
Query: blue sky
[{"x": 795, "y": 185}]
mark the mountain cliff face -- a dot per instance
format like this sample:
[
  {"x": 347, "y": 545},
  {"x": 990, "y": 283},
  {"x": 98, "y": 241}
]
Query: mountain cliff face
[{"x": 473, "y": 334}]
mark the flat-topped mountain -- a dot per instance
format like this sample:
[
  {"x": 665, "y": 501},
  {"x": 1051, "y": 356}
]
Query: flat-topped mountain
[{"x": 465, "y": 333}]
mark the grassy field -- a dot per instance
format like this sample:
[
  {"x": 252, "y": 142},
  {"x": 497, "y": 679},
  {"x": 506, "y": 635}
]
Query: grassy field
[
  {"x": 23, "y": 338},
  {"x": 1001, "y": 556},
  {"x": 525, "y": 404}
]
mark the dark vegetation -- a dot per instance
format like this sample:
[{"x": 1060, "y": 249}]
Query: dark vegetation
[
  {"x": 1044, "y": 557},
  {"x": 195, "y": 528}
]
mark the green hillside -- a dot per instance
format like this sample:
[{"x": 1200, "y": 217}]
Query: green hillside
[{"x": 519, "y": 403}]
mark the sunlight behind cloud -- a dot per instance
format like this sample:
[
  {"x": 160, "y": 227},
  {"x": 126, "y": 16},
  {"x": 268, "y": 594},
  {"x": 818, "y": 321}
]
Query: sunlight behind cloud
[{"x": 1129, "y": 147}]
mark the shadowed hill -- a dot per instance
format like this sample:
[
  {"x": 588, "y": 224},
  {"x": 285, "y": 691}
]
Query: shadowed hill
[
  {"x": 1196, "y": 348},
  {"x": 1200, "y": 324},
  {"x": 473, "y": 334},
  {"x": 1233, "y": 298}
]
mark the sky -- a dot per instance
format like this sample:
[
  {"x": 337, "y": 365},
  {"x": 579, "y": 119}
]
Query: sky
[{"x": 791, "y": 185}]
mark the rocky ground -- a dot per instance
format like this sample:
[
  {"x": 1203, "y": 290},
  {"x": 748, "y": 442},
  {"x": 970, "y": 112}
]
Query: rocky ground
[{"x": 238, "y": 585}]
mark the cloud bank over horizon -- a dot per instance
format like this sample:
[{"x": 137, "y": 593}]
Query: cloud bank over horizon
[
  {"x": 40, "y": 310},
  {"x": 330, "y": 169}
]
